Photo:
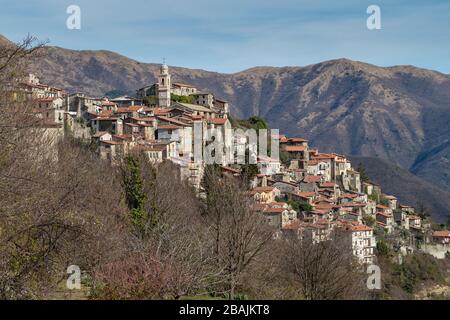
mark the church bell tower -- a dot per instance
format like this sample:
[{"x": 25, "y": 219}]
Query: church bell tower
[{"x": 164, "y": 86}]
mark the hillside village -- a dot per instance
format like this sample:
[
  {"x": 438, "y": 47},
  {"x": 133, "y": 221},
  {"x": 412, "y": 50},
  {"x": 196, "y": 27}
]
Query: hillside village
[{"x": 308, "y": 192}]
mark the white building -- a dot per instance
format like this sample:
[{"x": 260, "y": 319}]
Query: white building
[
  {"x": 363, "y": 243},
  {"x": 181, "y": 89}
]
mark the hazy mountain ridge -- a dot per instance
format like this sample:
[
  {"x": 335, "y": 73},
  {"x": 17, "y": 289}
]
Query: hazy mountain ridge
[{"x": 399, "y": 114}]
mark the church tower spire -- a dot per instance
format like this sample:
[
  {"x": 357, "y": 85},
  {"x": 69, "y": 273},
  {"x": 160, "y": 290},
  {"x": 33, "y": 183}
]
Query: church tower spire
[{"x": 164, "y": 86}]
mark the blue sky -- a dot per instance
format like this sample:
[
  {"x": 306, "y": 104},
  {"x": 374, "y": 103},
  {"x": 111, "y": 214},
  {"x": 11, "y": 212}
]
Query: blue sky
[{"x": 232, "y": 35}]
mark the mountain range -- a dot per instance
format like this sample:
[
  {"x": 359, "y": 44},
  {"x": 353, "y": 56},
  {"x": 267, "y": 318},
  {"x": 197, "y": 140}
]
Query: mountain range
[{"x": 396, "y": 116}]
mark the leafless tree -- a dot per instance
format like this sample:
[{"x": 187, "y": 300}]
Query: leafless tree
[
  {"x": 322, "y": 271},
  {"x": 239, "y": 235},
  {"x": 59, "y": 205},
  {"x": 54, "y": 214}
]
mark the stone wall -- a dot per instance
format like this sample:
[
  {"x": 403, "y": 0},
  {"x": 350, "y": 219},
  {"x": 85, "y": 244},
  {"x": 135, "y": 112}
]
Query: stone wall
[{"x": 436, "y": 250}]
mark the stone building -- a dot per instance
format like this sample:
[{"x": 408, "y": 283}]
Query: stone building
[{"x": 164, "y": 87}]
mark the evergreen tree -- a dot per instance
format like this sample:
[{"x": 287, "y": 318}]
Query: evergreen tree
[
  {"x": 249, "y": 170},
  {"x": 362, "y": 171},
  {"x": 300, "y": 206},
  {"x": 258, "y": 123},
  {"x": 212, "y": 171},
  {"x": 134, "y": 192},
  {"x": 383, "y": 248}
]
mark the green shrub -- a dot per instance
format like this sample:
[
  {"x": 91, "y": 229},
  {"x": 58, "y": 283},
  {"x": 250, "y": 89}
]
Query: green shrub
[
  {"x": 284, "y": 157},
  {"x": 383, "y": 248},
  {"x": 150, "y": 100},
  {"x": 182, "y": 99},
  {"x": 369, "y": 221},
  {"x": 420, "y": 268},
  {"x": 258, "y": 122},
  {"x": 407, "y": 279},
  {"x": 299, "y": 206}
]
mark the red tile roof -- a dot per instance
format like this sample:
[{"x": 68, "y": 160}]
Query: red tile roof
[
  {"x": 129, "y": 109},
  {"x": 294, "y": 225},
  {"x": 441, "y": 234},
  {"x": 274, "y": 210},
  {"x": 309, "y": 179},
  {"x": 146, "y": 119},
  {"x": 217, "y": 121},
  {"x": 295, "y": 148},
  {"x": 306, "y": 194},
  {"x": 111, "y": 142},
  {"x": 231, "y": 170},
  {"x": 349, "y": 195},
  {"x": 322, "y": 206},
  {"x": 123, "y": 136},
  {"x": 324, "y": 199},
  {"x": 386, "y": 215},
  {"x": 166, "y": 119},
  {"x": 327, "y": 185},
  {"x": 160, "y": 111},
  {"x": 108, "y": 103},
  {"x": 324, "y": 156},
  {"x": 105, "y": 113},
  {"x": 168, "y": 127},
  {"x": 319, "y": 212},
  {"x": 360, "y": 227}
]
